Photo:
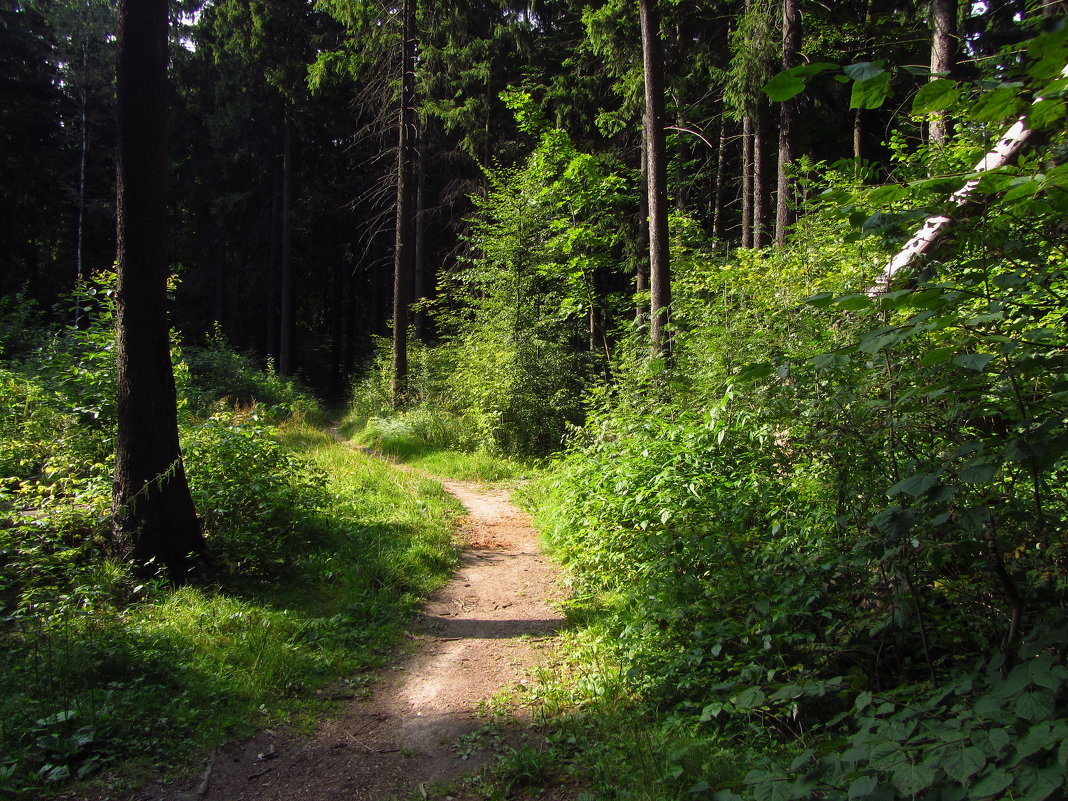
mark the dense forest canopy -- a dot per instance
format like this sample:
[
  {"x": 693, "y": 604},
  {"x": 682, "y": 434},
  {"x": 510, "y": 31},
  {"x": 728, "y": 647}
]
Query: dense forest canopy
[
  {"x": 775, "y": 289},
  {"x": 283, "y": 120}
]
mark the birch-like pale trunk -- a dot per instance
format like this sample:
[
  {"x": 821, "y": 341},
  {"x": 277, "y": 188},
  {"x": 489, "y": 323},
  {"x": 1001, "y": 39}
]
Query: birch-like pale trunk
[{"x": 935, "y": 227}]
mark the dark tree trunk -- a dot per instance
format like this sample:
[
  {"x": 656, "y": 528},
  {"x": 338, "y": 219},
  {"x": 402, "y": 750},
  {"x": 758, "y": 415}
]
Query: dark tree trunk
[
  {"x": 944, "y": 49},
  {"x": 154, "y": 518},
  {"x": 791, "y": 57},
  {"x": 859, "y": 116},
  {"x": 270, "y": 291},
  {"x": 218, "y": 288},
  {"x": 419, "y": 290},
  {"x": 659, "y": 265},
  {"x": 337, "y": 334},
  {"x": 285, "y": 316},
  {"x": 747, "y": 181},
  {"x": 405, "y": 231}
]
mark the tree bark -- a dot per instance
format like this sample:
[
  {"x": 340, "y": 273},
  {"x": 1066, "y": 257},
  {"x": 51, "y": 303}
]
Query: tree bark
[
  {"x": 944, "y": 49},
  {"x": 154, "y": 518},
  {"x": 641, "y": 273},
  {"x": 659, "y": 265},
  {"x": 419, "y": 271},
  {"x": 717, "y": 190},
  {"x": 285, "y": 333},
  {"x": 935, "y": 227},
  {"x": 791, "y": 57},
  {"x": 405, "y": 231},
  {"x": 747, "y": 181},
  {"x": 760, "y": 181}
]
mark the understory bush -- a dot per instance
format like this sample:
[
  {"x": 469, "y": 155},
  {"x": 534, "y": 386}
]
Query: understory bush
[{"x": 833, "y": 534}]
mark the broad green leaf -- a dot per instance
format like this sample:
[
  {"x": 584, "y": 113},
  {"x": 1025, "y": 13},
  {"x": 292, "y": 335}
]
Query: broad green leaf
[
  {"x": 1039, "y": 737},
  {"x": 800, "y": 760},
  {"x": 937, "y": 356},
  {"x": 914, "y": 485},
  {"x": 870, "y": 93},
  {"x": 863, "y": 787},
  {"x": 752, "y": 372},
  {"x": 1045, "y": 113},
  {"x": 824, "y": 361},
  {"x": 711, "y": 711},
  {"x": 997, "y": 105},
  {"x": 749, "y": 698},
  {"x": 853, "y": 302},
  {"x": 992, "y": 783},
  {"x": 874, "y": 344},
  {"x": 887, "y": 194},
  {"x": 981, "y": 473},
  {"x": 862, "y": 700},
  {"x": 1036, "y": 705},
  {"x": 863, "y": 70},
  {"x": 1022, "y": 188},
  {"x": 999, "y": 739},
  {"x": 820, "y": 300},
  {"x": 787, "y": 692},
  {"x": 936, "y": 95},
  {"x": 911, "y": 779},
  {"x": 961, "y": 765},
  {"x": 1041, "y": 784},
  {"x": 790, "y": 83},
  {"x": 974, "y": 361}
]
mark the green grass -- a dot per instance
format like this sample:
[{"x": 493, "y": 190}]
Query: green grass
[
  {"x": 123, "y": 690},
  {"x": 429, "y": 441}
]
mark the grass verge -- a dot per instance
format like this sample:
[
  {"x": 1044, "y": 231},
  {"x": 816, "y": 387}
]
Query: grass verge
[
  {"x": 114, "y": 690},
  {"x": 429, "y": 441}
]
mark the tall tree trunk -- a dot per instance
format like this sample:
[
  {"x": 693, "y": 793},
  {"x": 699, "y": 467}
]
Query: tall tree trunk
[
  {"x": 858, "y": 116},
  {"x": 791, "y": 57},
  {"x": 641, "y": 273},
  {"x": 270, "y": 289},
  {"x": 154, "y": 518},
  {"x": 83, "y": 152},
  {"x": 285, "y": 321},
  {"x": 747, "y": 181},
  {"x": 659, "y": 265},
  {"x": 717, "y": 189},
  {"x": 218, "y": 280},
  {"x": 419, "y": 290},
  {"x": 944, "y": 49},
  {"x": 760, "y": 180},
  {"x": 405, "y": 232}
]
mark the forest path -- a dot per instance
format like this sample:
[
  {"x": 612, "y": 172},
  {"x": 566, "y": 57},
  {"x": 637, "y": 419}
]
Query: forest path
[{"x": 481, "y": 633}]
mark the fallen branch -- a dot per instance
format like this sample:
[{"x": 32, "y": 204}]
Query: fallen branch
[{"x": 935, "y": 227}]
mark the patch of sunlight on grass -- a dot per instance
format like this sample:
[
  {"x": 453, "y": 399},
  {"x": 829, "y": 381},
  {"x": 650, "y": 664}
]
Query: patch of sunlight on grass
[{"x": 470, "y": 466}]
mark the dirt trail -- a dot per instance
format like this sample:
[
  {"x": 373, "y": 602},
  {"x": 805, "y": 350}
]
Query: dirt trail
[{"x": 479, "y": 634}]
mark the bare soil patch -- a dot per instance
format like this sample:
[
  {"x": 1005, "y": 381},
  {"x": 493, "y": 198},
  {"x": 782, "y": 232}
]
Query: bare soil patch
[{"x": 478, "y": 635}]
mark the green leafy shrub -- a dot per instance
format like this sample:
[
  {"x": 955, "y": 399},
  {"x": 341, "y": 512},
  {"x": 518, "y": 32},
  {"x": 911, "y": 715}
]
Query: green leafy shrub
[
  {"x": 215, "y": 371},
  {"x": 244, "y": 484}
]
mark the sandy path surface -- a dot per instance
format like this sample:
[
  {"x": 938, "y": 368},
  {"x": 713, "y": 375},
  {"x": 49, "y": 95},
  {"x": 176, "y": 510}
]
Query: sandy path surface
[{"x": 479, "y": 634}]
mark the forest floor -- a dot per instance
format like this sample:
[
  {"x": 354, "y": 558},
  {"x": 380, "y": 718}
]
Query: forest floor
[{"x": 423, "y": 726}]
